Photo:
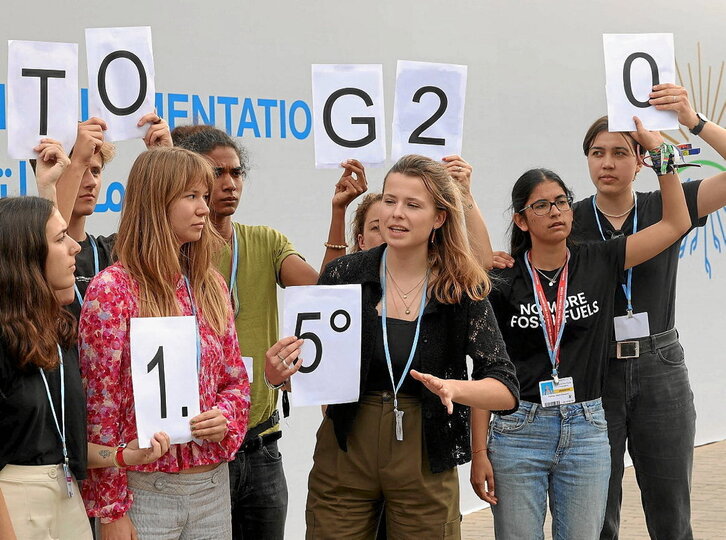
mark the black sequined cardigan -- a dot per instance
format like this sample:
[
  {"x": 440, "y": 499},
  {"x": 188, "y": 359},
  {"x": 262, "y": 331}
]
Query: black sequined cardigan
[{"x": 449, "y": 332}]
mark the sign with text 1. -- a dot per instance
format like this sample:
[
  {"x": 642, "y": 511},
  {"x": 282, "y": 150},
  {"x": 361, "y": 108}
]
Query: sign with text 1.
[
  {"x": 428, "y": 112},
  {"x": 348, "y": 114},
  {"x": 120, "y": 79},
  {"x": 42, "y": 95},
  {"x": 634, "y": 63},
  {"x": 328, "y": 318},
  {"x": 164, "y": 375}
]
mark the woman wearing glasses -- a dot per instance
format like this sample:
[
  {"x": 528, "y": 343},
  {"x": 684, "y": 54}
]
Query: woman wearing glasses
[{"x": 554, "y": 306}]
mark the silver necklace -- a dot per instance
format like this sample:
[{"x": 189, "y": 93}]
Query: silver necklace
[
  {"x": 613, "y": 215},
  {"x": 550, "y": 280}
]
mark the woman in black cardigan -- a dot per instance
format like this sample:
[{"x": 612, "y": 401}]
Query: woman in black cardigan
[{"x": 424, "y": 306}]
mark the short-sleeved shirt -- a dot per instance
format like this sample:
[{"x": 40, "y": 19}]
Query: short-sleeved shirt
[
  {"x": 85, "y": 265},
  {"x": 29, "y": 435},
  {"x": 261, "y": 253},
  {"x": 654, "y": 281},
  {"x": 595, "y": 271}
]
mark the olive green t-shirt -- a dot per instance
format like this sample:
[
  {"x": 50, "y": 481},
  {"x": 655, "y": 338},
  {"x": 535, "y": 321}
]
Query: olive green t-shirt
[{"x": 261, "y": 252}]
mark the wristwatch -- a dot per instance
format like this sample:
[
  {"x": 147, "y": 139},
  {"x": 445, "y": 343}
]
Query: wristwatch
[{"x": 701, "y": 122}]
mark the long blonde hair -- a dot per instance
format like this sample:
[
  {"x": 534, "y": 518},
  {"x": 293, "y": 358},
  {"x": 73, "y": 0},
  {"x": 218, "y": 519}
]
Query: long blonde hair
[
  {"x": 147, "y": 246},
  {"x": 454, "y": 267}
]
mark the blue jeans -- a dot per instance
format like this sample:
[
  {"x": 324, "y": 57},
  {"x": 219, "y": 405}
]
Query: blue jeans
[
  {"x": 648, "y": 402},
  {"x": 259, "y": 494},
  {"x": 561, "y": 452}
]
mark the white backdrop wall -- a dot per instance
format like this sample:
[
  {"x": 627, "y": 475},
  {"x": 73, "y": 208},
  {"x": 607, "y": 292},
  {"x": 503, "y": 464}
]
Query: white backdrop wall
[{"x": 536, "y": 81}]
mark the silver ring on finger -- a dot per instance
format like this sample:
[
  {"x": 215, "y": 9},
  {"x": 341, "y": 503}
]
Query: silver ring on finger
[
  {"x": 675, "y": 98},
  {"x": 284, "y": 363}
]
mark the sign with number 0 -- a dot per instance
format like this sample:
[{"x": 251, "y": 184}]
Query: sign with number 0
[
  {"x": 634, "y": 63},
  {"x": 428, "y": 113},
  {"x": 348, "y": 112},
  {"x": 328, "y": 318},
  {"x": 164, "y": 375}
]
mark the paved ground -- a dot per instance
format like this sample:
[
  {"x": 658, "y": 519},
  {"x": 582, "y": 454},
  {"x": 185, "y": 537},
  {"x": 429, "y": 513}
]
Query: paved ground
[{"x": 708, "y": 502}]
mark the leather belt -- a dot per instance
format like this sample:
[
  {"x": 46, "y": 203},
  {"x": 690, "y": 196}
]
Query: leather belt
[
  {"x": 253, "y": 439},
  {"x": 634, "y": 348}
]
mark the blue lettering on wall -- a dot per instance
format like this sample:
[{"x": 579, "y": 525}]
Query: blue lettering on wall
[
  {"x": 301, "y": 134},
  {"x": 227, "y": 102},
  {"x": 173, "y": 113},
  {"x": 198, "y": 112},
  {"x": 2, "y": 106},
  {"x": 248, "y": 119}
]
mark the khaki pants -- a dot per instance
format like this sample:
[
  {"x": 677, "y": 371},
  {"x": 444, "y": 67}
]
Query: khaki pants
[
  {"x": 346, "y": 489},
  {"x": 39, "y": 506}
]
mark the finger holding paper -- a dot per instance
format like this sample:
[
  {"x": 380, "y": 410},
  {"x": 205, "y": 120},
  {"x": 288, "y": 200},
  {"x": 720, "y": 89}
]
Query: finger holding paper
[
  {"x": 210, "y": 425},
  {"x": 280, "y": 360},
  {"x": 133, "y": 455},
  {"x": 158, "y": 134}
]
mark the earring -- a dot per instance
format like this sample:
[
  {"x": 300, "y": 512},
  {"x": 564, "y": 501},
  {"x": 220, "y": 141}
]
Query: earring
[{"x": 433, "y": 235}]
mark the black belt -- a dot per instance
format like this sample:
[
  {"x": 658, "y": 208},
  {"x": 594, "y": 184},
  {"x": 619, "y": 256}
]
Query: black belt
[
  {"x": 253, "y": 439},
  {"x": 634, "y": 348}
]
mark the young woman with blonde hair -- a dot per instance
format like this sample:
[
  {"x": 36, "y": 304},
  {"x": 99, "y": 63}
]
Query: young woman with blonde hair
[
  {"x": 424, "y": 305},
  {"x": 165, "y": 247}
]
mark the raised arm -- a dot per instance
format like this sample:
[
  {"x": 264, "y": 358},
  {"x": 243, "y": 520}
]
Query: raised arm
[
  {"x": 88, "y": 142},
  {"x": 649, "y": 242},
  {"x": 49, "y": 167},
  {"x": 352, "y": 184},
  {"x": 476, "y": 227},
  {"x": 670, "y": 97},
  {"x": 158, "y": 134}
]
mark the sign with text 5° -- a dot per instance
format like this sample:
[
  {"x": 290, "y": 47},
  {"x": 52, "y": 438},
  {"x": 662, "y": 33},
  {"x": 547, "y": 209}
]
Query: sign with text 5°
[
  {"x": 328, "y": 318},
  {"x": 164, "y": 375},
  {"x": 634, "y": 63},
  {"x": 428, "y": 113},
  {"x": 348, "y": 114}
]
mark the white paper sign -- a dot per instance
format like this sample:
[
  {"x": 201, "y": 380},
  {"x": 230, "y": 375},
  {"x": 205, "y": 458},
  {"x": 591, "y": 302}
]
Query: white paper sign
[
  {"x": 348, "y": 114},
  {"x": 428, "y": 113},
  {"x": 249, "y": 363},
  {"x": 120, "y": 79},
  {"x": 634, "y": 63},
  {"x": 328, "y": 318},
  {"x": 164, "y": 375},
  {"x": 42, "y": 95}
]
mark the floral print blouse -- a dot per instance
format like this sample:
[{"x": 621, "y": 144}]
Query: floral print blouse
[{"x": 110, "y": 302}]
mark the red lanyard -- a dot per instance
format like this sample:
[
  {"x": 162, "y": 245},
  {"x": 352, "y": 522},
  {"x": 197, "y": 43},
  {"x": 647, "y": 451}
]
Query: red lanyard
[{"x": 553, "y": 327}]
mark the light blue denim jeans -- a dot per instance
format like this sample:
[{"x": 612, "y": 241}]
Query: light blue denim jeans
[{"x": 559, "y": 452}]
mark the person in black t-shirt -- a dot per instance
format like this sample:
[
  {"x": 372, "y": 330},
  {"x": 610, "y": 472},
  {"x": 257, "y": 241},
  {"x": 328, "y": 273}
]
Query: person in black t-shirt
[
  {"x": 656, "y": 412},
  {"x": 556, "y": 443}
]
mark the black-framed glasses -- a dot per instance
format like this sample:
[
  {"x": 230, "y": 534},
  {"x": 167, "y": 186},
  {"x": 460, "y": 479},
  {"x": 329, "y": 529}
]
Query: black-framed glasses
[
  {"x": 543, "y": 207},
  {"x": 234, "y": 172}
]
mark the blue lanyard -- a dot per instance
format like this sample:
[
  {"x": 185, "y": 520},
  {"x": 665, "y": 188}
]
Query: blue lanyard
[
  {"x": 397, "y": 387},
  {"x": 61, "y": 432},
  {"x": 196, "y": 322},
  {"x": 92, "y": 241},
  {"x": 627, "y": 288},
  {"x": 233, "y": 275}
]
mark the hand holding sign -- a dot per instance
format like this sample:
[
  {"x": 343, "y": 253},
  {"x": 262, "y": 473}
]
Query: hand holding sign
[
  {"x": 348, "y": 111},
  {"x": 428, "y": 114},
  {"x": 120, "y": 78},
  {"x": 164, "y": 375},
  {"x": 634, "y": 64},
  {"x": 328, "y": 319}
]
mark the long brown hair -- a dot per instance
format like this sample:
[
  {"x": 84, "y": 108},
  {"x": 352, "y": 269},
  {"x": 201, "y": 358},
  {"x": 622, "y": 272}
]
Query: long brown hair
[
  {"x": 147, "y": 246},
  {"x": 455, "y": 269},
  {"x": 32, "y": 322}
]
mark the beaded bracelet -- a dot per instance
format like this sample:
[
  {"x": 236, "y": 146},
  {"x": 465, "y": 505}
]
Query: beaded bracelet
[{"x": 335, "y": 246}]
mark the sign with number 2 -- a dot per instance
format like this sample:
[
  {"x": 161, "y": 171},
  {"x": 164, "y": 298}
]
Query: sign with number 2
[
  {"x": 164, "y": 375},
  {"x": 328, "y": 318}
]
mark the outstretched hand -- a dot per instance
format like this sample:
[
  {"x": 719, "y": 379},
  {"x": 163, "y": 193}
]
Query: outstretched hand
[{"x": 440, "y": 387}]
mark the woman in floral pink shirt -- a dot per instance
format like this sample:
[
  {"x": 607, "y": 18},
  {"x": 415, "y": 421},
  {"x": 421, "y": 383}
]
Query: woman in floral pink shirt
[{"x": 164, "y": 249}]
